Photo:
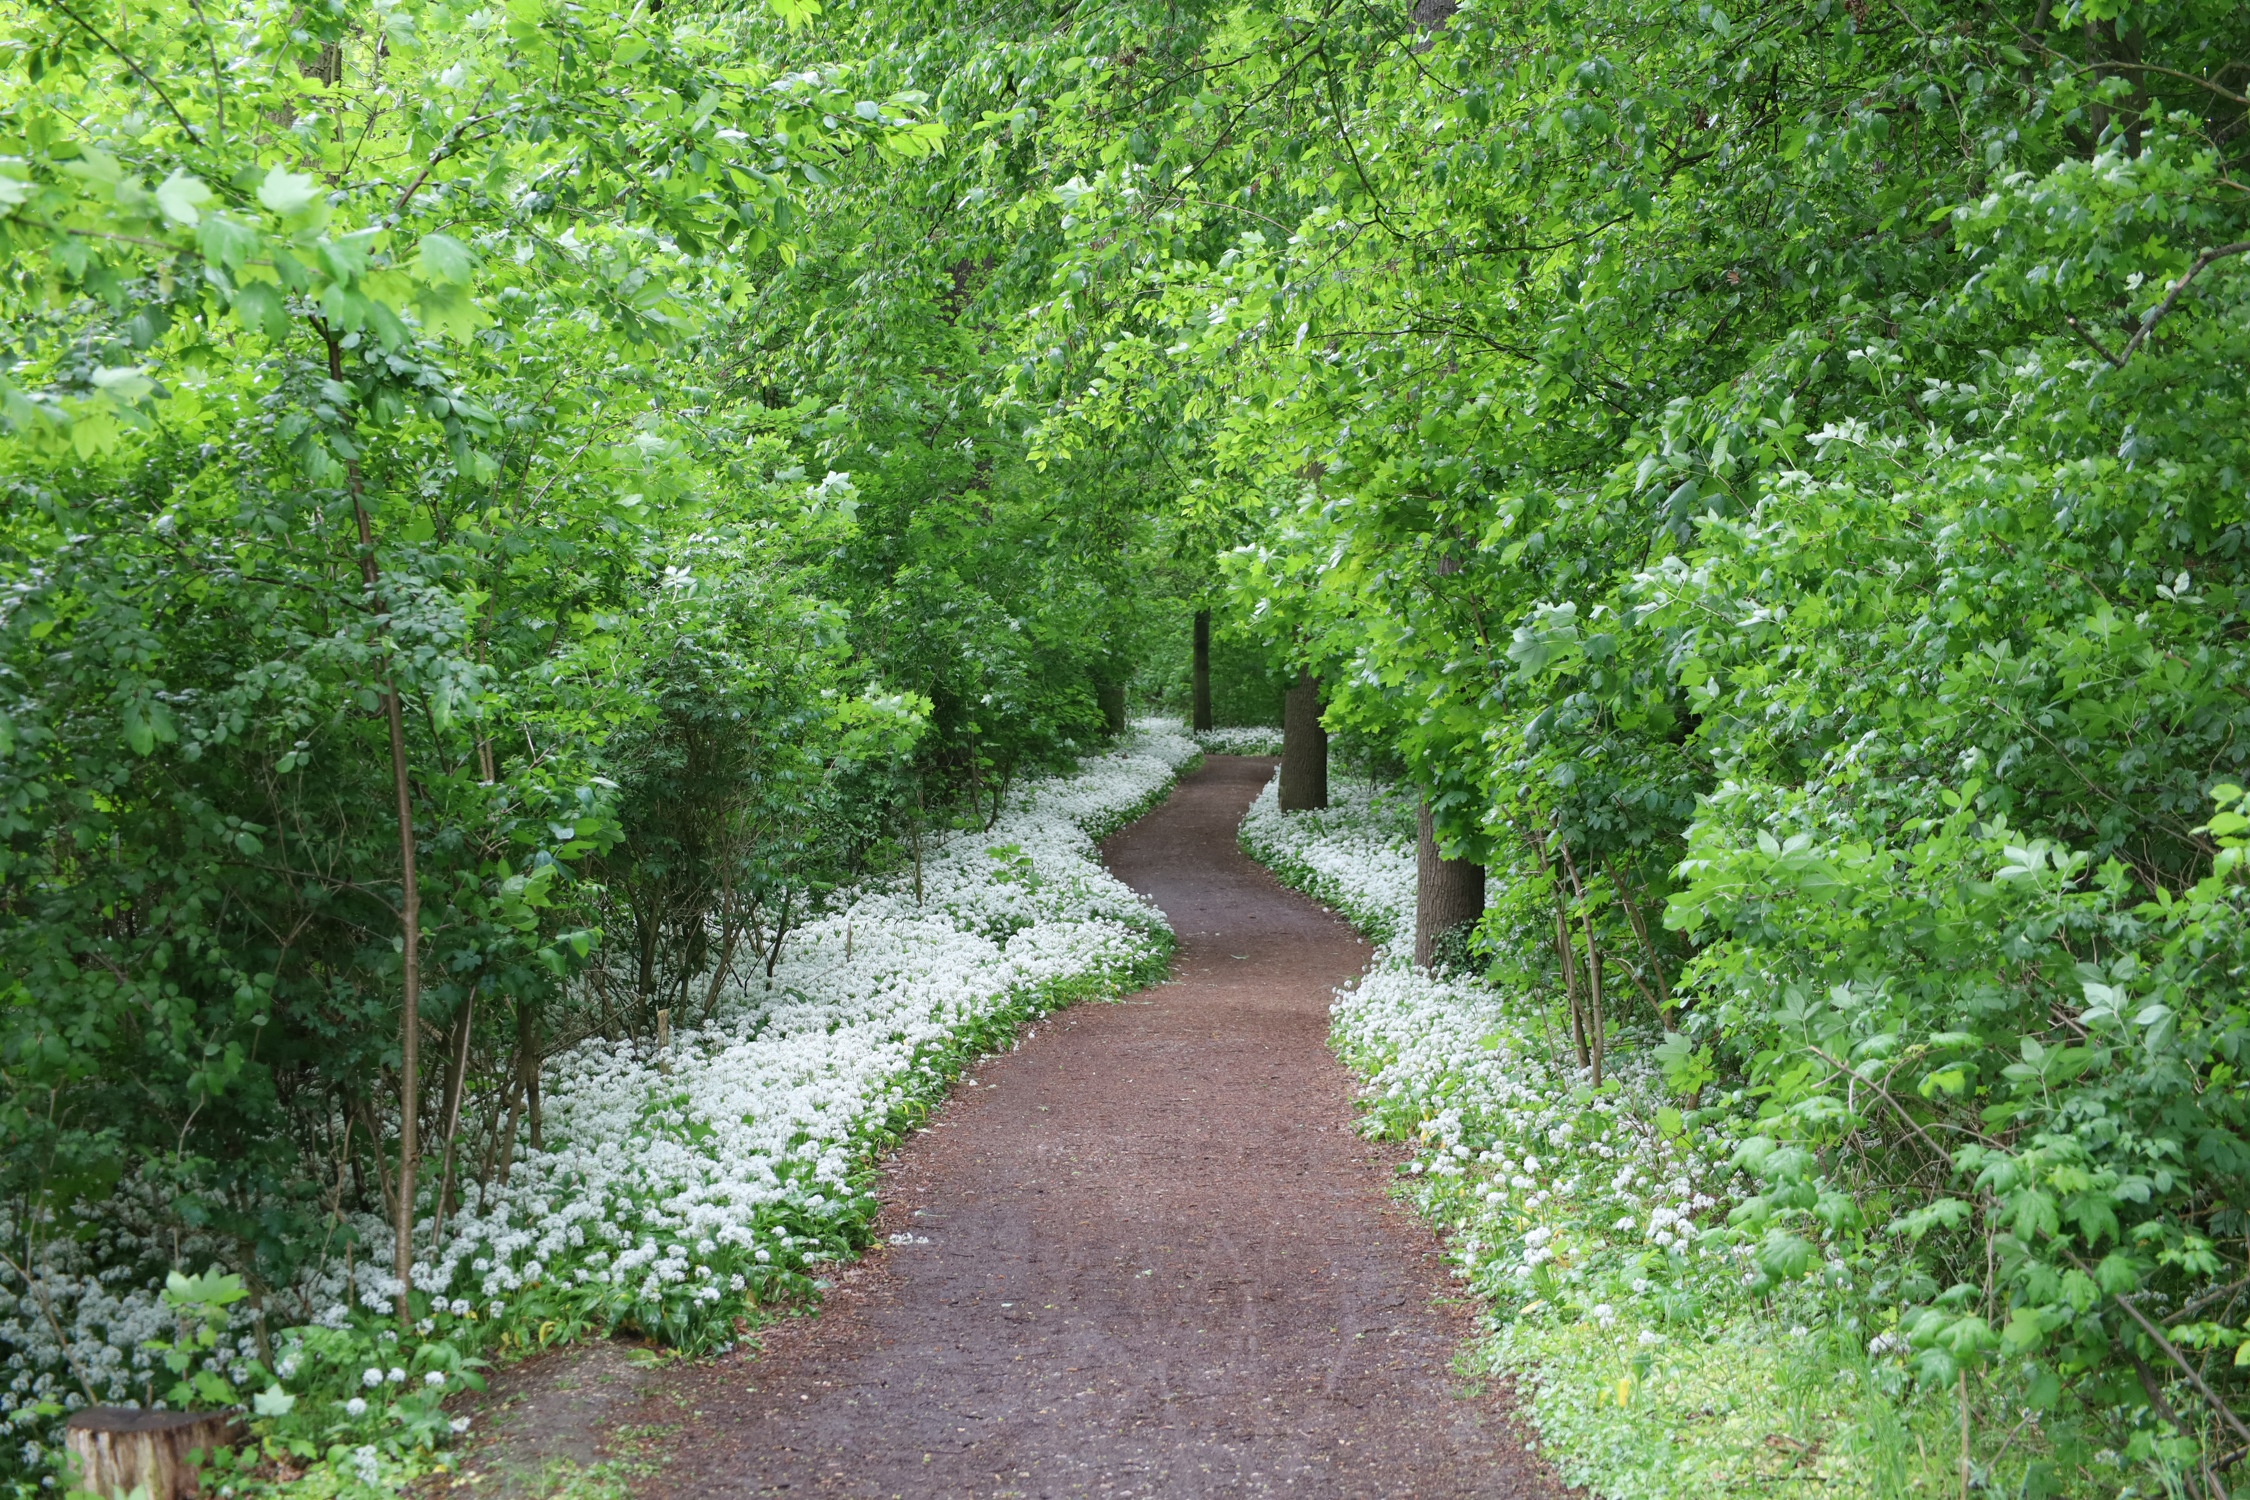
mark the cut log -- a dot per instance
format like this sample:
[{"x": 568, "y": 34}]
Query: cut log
[
  {"x": 1448, "y": 894},
  {"x": 1304, "y": 748},
  {"x": 115, "y": 1450}
]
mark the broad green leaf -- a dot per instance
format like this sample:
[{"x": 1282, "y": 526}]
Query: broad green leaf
[
  {"x": 181, "y": 197},
  {"x": 288, "y": 193},
  {"x": 444, "y": 259}
]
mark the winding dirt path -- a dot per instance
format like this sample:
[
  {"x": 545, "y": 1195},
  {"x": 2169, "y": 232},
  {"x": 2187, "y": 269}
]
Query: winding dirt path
[{"x": 1148, "y": 1256}]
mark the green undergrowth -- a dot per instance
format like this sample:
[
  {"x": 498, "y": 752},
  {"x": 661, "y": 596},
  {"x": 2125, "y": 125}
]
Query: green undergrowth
[
  {"x": 1750, "y": 1406},
  {"x": 1661, "y": 1361},
  {"x": 398, "y": 1442}
]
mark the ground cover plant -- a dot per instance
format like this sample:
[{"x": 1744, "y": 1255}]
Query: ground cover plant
[
  {"x": 1599, "y": 1227},
  {"x": 681, "y": 1189},
  {"x": 1239, "y": 740}
]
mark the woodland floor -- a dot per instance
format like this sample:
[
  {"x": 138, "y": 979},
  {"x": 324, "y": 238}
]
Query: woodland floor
[{"x": 1148, "y": 1257}]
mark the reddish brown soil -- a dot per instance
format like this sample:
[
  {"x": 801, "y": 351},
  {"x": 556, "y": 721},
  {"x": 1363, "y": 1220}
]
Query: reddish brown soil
[{"x": 1149, "y": 1258}]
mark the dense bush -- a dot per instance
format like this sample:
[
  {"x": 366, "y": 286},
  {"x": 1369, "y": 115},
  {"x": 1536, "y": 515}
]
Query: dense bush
[{"x": 428, "y": 650}]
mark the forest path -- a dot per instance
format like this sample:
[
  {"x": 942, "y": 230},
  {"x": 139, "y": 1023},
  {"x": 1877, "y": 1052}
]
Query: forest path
[{"x": 1147, "y": 1255}]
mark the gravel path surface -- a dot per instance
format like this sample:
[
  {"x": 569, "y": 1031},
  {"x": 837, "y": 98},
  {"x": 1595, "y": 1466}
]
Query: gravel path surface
[{"x": 1145, "y": 1256}]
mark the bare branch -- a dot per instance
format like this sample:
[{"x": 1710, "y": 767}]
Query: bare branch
[{"x": 2156, "y": 316}]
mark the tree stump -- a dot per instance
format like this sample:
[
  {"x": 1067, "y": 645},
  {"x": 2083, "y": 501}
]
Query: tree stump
[{"x": 115, "y": 1450}]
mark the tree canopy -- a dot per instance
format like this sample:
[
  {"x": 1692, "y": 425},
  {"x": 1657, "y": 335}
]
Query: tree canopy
[{"x": 506, "y": 505}]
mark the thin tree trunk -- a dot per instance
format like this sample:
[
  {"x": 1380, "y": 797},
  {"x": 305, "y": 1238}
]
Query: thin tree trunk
[
  {"x": 382, "y": 1172},
  {"x": 1304, "y": 748},
  {"x": 733, "y": 940},
  {"x": 976, "y": 782},
  {"x": 1448, "y": 893},
  {"x": 455, "y": 1081},
  {"x": 531, "y": 1108},
  {"x": 487, "y": 772},
  {"x": 1570, "y": 987},
  {"x": 503, "y": 1109},
  {"x": 508, "y": 1132},
  {"x": 1000, "y": 797},
  {"x": 780, "y": 931},
  {"x": 1662, "y": 999},
  {"x": 1594, "y": 994},
  {"x": 1594, "y": 1028},
  {"x": 410, "y": 896},
  {"x": 1199, "y": 677},
  {"x": 1568, "y": 959},
  {"x": 527, "y": 1083},
  {"x": 1111, "y": 697}
]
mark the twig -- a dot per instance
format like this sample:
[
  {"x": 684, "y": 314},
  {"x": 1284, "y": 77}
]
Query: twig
[
  {"x": 1899, "y": 1109},
  {"x": 2171, "y": 1350},
  {"x": 2157, "y": 1403},
  {"x": 62, "y": 1340},
  {"x": 136, "y": 67},
  {"x": 2093, "y": 343},
  {"x": 218, "y": 78},
  {"x": 444, "y": 149},
  {"x": 2148, "y": 324},
  {"x": 2198, "y": 1304}
]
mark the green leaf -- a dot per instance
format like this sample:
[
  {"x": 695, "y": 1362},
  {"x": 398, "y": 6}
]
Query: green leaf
[
  {"x": 140, "y": 734},
  {"x": 123, "y": 383},
  {"x": 259, "y": 307},
  {"x": 180, "y": 198},
  {"x": 287, "y": 193},
  {"x": 445, "y": 260}
]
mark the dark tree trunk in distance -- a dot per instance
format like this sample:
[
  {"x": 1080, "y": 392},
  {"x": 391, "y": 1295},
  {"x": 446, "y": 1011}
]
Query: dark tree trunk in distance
[
  {"x": 1111, "y": 697},
  {"x": 1448, "y": 893},
  {"x": 1200, "y": 678},
  {"x": 1304, "y": 747}
]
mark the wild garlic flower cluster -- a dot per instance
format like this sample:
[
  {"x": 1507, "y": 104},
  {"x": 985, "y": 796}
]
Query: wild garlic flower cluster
[
  {"x": 1238, "y": 739},
  {"x": 1356, "y": 854},
  {"x": 1555, "y": 1195},
  {"x": 674, "y": 1189}
]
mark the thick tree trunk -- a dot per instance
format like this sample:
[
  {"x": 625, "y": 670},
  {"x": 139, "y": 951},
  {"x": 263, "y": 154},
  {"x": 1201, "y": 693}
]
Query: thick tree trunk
[
  {"x": 1448, "y": 893},
  {"x": 1304, "y": 747},
  {"x": 1111, "y": 697},
  {"x": 1200, "y": 677}
]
